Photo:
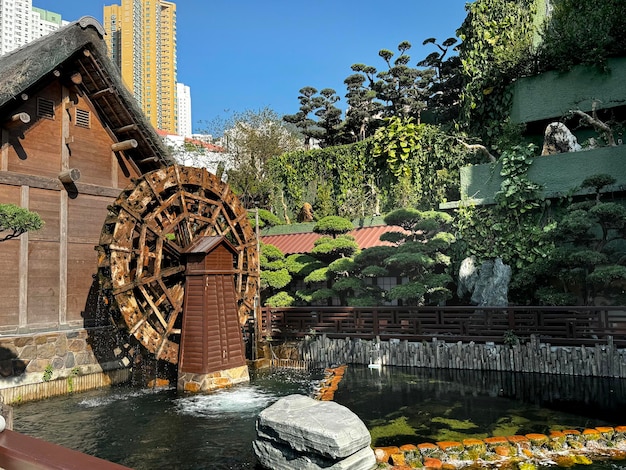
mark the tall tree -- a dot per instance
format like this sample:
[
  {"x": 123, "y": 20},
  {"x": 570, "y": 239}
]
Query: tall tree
[
  {"x": 255, "y": 138},
  {"x": 302, "y": 119}
]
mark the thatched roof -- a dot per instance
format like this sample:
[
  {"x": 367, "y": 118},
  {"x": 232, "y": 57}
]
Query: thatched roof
[{"x": 79, "y": 47}]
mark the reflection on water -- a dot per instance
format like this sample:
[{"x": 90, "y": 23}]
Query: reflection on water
[
  {"x": 155, "y": 429},
  {"x": 404, "y": 406}
]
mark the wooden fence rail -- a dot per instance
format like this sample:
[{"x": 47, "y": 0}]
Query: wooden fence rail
[{"x": 554, "y": 325}]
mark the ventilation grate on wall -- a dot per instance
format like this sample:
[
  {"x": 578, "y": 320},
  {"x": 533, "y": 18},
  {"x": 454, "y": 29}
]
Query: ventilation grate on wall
[
  {"x": 83, "y": 118},
  {"x": 45, "y": 108}
]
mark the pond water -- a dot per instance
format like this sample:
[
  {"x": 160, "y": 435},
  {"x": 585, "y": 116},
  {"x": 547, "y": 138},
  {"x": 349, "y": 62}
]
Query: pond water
[{"x": 154, "y": 429}]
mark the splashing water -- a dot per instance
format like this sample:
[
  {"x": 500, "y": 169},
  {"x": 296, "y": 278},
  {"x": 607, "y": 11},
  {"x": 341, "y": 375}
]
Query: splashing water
[{"x": 241, "y": 400}]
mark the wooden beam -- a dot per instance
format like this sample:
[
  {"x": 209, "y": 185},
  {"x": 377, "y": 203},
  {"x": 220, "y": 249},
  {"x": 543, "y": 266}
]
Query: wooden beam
[
  {"x": 149, "y": 159},
  {"x": 124, "y": 145},
  {"x": 102, "y": 92},
  {"x": 70, "y": 176},
  {"x": 12, "y": 178},
  {"x": 129, "y": 127},
  {"x": 24, "y": 96},
  {"x": 17, "y": 120},
  {"x": 76, "y": 78}
]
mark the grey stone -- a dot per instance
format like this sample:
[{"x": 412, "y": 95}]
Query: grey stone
[
  {"x": 492, "y": 286},
  {"x": 316, "y": 431},
  {"x": 280, "y": 457},
  {"x": 468, "y": 275}
]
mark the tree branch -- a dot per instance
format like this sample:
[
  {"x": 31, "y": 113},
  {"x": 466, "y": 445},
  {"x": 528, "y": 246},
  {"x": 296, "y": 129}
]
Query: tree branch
[{"x": 598, "y": 125}]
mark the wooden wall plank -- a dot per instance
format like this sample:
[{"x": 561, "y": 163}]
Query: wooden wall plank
[{"x": 43, "y": 283}]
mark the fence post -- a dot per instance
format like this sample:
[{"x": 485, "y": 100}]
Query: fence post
[{"x": 375, "y": 321}]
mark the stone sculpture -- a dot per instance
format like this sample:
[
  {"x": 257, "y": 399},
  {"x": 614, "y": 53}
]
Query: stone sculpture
[{"x": 559, "y": 139}]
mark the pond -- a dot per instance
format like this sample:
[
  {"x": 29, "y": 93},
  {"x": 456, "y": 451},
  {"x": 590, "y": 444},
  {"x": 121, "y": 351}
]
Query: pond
[{"x": 158, "y": 428}]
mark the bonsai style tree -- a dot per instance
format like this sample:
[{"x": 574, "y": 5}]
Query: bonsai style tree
[
  {"x": 589, "y": 259},
  {"x": 420, "y": 255},
  {"x": 15, "y": 220}
]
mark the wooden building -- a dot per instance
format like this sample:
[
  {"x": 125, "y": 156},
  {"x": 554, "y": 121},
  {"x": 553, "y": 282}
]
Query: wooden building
[{"x": 72, "y": 138}]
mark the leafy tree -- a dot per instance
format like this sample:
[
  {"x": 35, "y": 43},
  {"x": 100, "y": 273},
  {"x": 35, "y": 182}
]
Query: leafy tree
[
  {"x": 589, "y": 259},
  {"x": 253, "y": 140},
  {"x": 402, "y": 88},
  {"x": 582, "y": 33},
  {"x": 445, "y": 82},
  {"x": 420, "y": 255},
  {"x": 15, "y": 220},
  {"x": 327, "y": 128},
  {"x": 363, "y": 111},
  {"x": 274, "y": 273},
  {"x": 333, "y": 226}
]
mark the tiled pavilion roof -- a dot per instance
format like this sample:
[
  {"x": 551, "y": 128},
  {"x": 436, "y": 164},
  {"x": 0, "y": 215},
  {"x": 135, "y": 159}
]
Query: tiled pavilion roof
[{"x": 366, "y": 237}]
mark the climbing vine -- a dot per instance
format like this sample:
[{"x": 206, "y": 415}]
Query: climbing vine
[
  {"x": 497, "y": 47},
  {"x": 514, "y": 228}
]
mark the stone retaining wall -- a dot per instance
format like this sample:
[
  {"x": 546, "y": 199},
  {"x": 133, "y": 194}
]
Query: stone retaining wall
[
  {"x": 602, "y": 360},
  {"x": 41, "y": 365}
]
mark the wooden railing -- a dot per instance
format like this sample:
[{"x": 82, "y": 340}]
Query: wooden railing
[{"x": 554, "y": 325}]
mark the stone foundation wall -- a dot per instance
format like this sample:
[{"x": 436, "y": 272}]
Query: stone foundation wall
[
  {"x": 190, "y": 382},
  {"x": 603, "y": 360},
  {"x": 41, "y": 365}
]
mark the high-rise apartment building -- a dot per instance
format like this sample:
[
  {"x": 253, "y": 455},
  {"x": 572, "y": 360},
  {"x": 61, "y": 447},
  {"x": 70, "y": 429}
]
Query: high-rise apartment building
[
  {"x": 183, "y": 98},
  {"x": 141, "y": 37},
  {"x": 21, "y": 23}
]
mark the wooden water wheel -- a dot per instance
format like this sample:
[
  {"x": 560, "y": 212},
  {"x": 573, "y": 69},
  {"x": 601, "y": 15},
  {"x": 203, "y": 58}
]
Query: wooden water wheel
[{"x": 141, "y": 267}]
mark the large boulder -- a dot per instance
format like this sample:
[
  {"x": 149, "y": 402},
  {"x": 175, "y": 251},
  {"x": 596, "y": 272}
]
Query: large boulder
[{"x": 298, "y": 432}]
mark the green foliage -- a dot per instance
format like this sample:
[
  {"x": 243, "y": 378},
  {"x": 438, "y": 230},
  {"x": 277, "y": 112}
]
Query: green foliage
[
  {"x": 496, "y": 48},
  {"x": 75, "y": 372},
  {"x": 333, "y": 225},
  {"x": 281, "y": 299},
  {"x": 301, "y": 265},
  {"x": 587, "y": 262},
  {"x": 515, "y": 229},
  {"x": 275, "y": 279},
  {"x": 420, "y": 256},
  {"x": 395, "y": 143},
  {"x": 270, "y": 252},
  {"x": 328, "y": 249},
  {"x": 341, "y": 266},
  {"x": 335, "y": 180},
  {"x": 517, "y": 193},
  {"x": 47, "y": 373},
  {"x": 15, "y": 220},
  {"x": 318, "y": 275},
  {"x": 583, "y": 33},
  {"x": 266, "y": 219}
]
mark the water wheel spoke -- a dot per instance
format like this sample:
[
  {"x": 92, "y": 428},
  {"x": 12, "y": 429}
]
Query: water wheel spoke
[
  {"x": 146, "y": 280},
  {"x": 155, "y": 308}
]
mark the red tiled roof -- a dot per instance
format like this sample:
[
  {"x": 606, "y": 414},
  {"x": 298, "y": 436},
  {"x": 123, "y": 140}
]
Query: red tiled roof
[
  {"x": 366, "y": 237},
  {"x": 206, "y": 145}
]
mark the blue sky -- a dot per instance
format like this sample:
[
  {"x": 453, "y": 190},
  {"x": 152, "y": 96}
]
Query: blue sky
[{"x": 239, "y": 55}]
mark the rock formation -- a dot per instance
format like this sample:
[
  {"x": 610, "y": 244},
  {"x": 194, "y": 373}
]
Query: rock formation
[{"x": 300, "y": 433}]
